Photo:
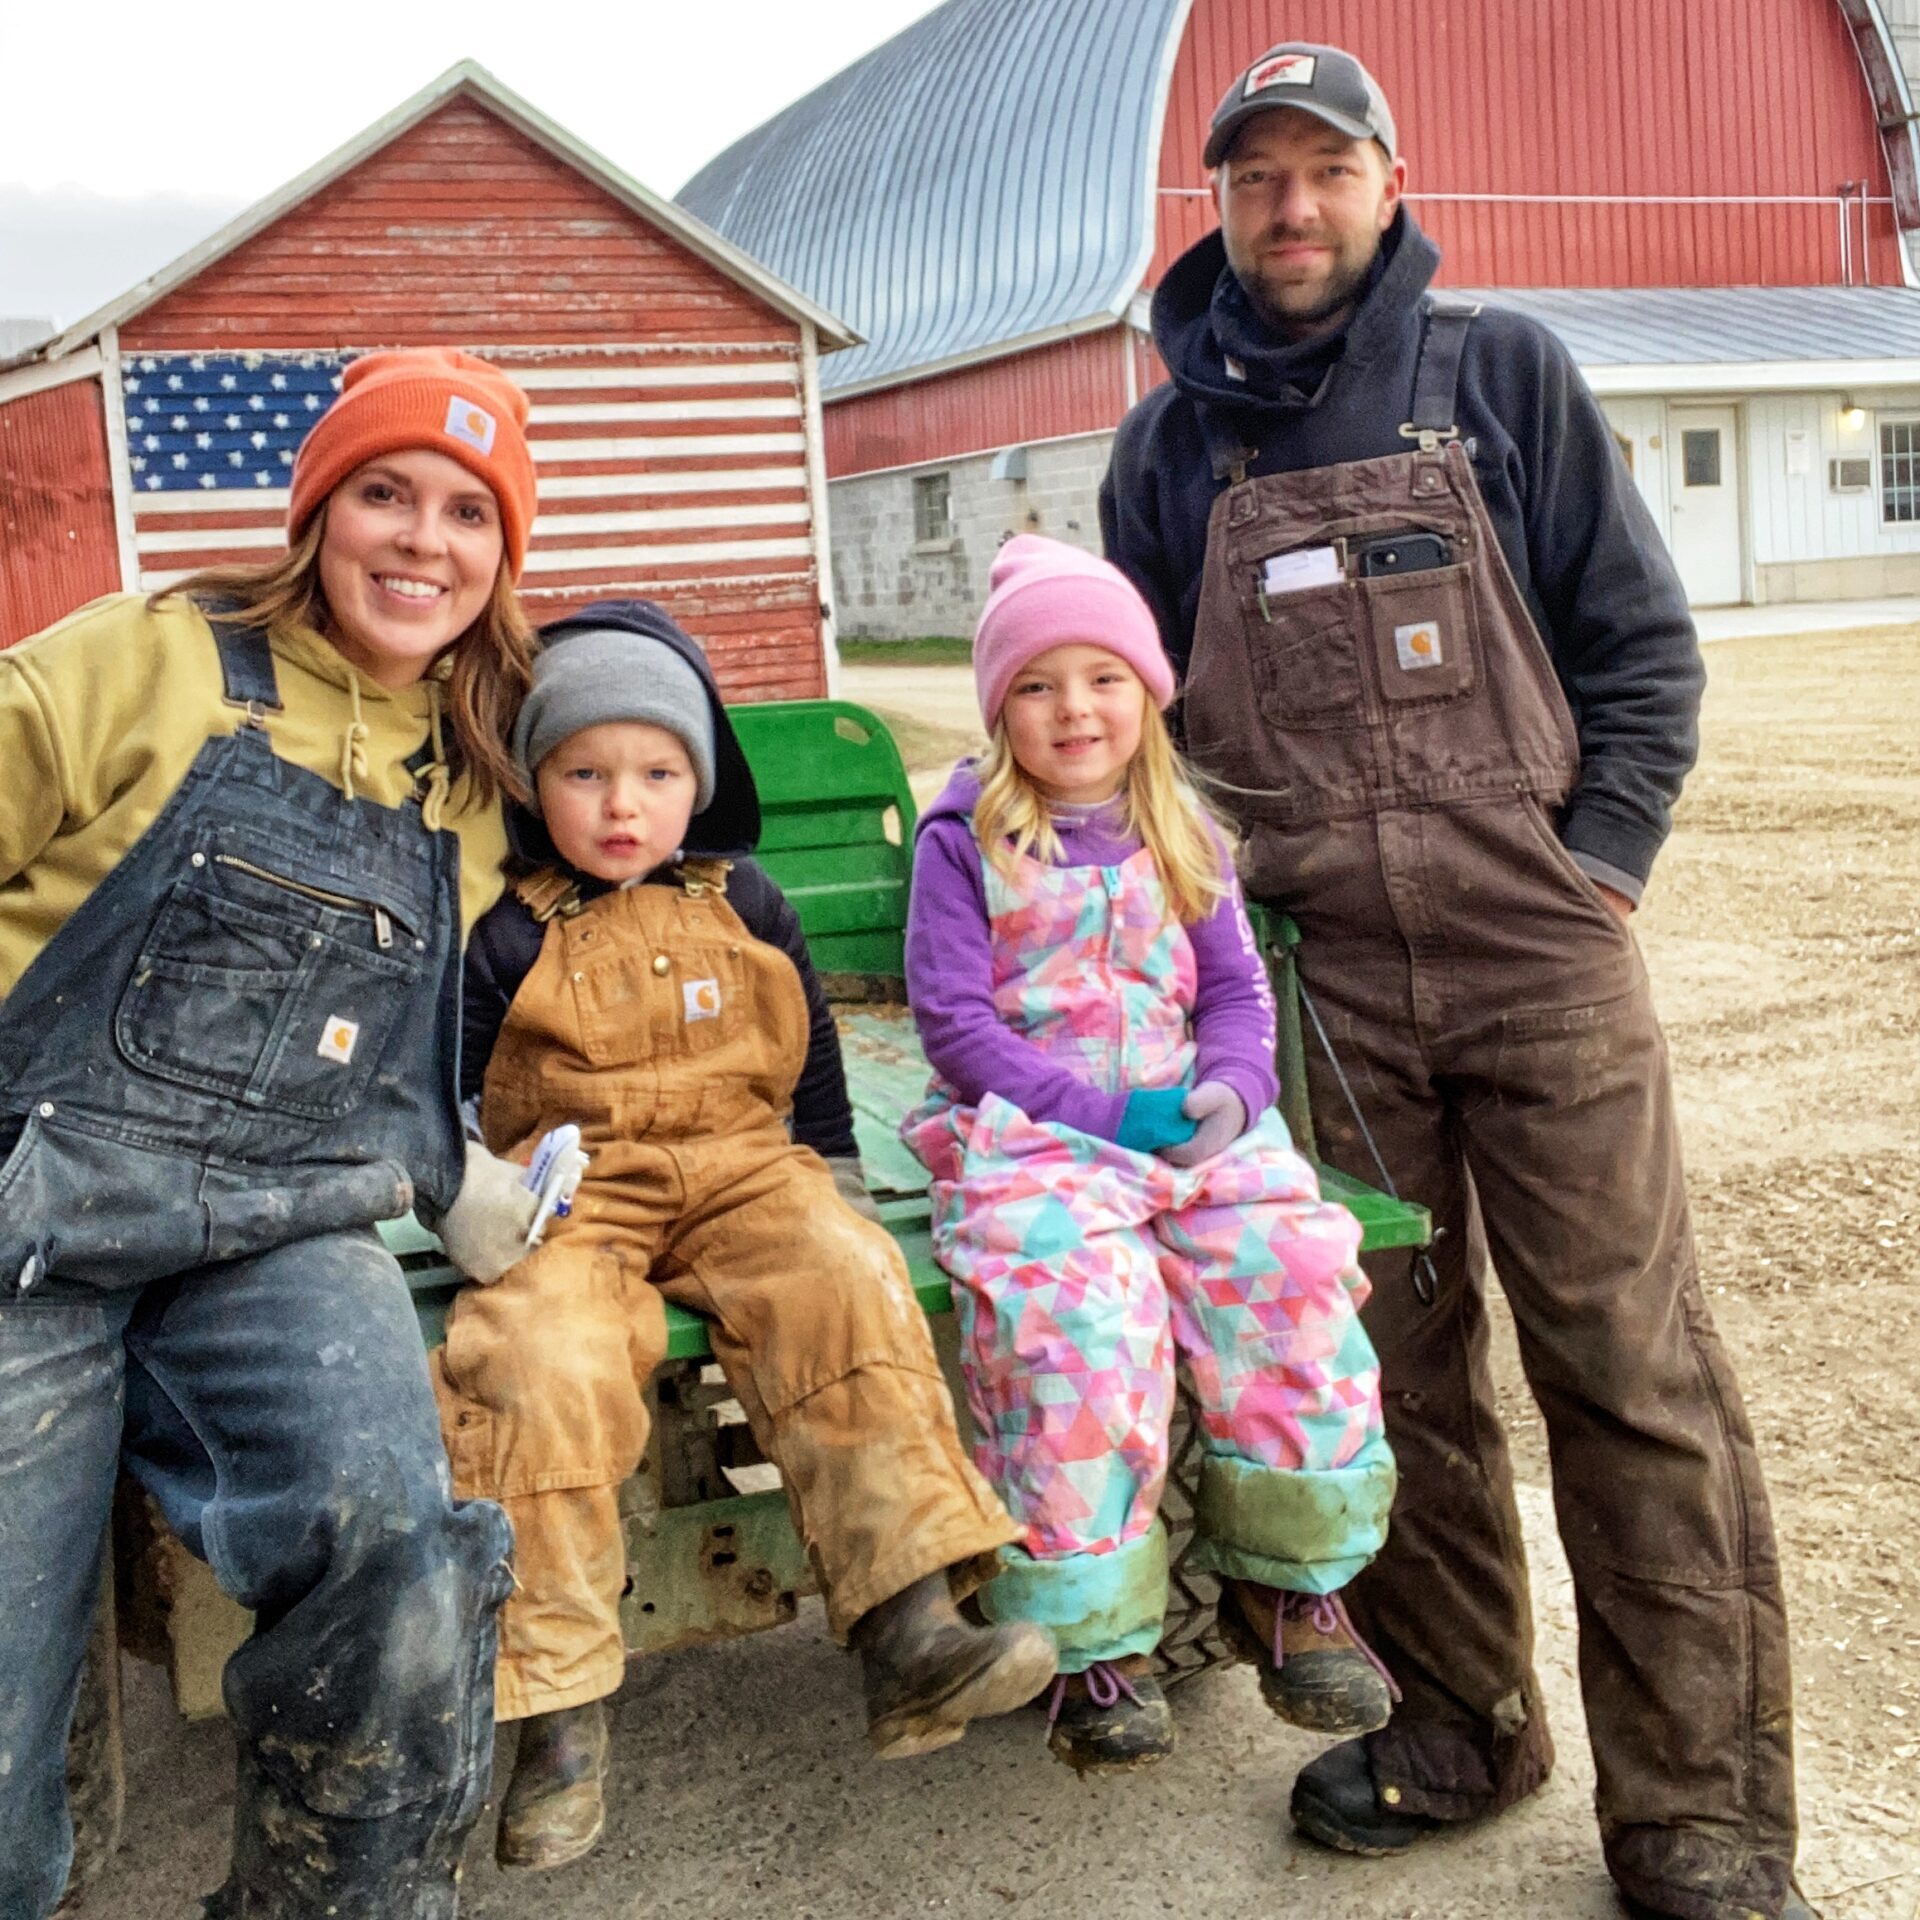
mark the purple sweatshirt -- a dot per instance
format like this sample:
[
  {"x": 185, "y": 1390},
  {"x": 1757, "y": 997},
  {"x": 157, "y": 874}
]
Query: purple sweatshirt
[{"x": 950, "y": 977}]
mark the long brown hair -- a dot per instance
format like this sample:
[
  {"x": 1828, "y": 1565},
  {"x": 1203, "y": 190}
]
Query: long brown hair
[{"x": 490, "y": 666}]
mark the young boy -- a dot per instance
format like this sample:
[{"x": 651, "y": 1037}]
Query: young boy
[{"x": 650, "y": 984}]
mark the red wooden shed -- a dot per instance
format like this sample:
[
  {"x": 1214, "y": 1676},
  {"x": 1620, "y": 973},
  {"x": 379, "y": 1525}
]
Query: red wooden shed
[{"x": 674, "y": 384}]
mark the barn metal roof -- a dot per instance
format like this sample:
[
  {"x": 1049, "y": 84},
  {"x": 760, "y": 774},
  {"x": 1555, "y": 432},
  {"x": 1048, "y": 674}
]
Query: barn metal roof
[
  {"x": 1680, "y": 326},
  {"x": 982, "y": 182},
  {"x": 1738, "y": 337}
]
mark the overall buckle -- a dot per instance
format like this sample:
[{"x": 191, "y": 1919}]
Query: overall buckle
[{"x": 1431, "y": 439}]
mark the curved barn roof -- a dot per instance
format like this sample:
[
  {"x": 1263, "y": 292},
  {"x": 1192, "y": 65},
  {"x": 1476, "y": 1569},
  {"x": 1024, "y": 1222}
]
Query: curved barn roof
[{"x": 928, "y": 151}]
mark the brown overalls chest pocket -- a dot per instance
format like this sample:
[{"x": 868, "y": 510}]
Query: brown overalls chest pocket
[
  {"x": 658, "y": 974},
  {"x": 1388, "y": 621}
]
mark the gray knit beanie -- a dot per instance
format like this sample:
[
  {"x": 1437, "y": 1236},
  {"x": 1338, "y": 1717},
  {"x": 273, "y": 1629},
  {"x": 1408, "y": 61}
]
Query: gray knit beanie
[{"x": 597, "y": 674}]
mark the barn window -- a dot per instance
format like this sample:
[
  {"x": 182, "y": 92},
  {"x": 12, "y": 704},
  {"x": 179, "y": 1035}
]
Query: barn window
[
  {"x": 1700, "y": 456},
  {"x": 932, "y": 506},
  {"x": 1899, "y": 472}
]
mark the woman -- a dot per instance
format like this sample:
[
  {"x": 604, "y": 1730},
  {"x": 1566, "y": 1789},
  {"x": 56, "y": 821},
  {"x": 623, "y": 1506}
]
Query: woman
[{"x": 243, "y": 825}]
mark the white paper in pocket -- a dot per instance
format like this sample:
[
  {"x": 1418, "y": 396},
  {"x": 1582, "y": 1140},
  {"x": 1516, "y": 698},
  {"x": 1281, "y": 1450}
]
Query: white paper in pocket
[{"x": 1304, "y": 567}]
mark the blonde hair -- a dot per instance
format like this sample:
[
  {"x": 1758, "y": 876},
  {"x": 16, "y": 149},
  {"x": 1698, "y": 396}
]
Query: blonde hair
[
  {"x": 489, "y": 667},
  {"x": 1190, "y": 843}
]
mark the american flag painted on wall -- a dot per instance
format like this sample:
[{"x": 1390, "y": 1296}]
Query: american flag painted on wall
[{"x": 660, "y": 468}]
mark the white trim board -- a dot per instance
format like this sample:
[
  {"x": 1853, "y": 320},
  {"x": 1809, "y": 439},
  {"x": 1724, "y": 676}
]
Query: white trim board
[
  {"x": 36, "y": 376},
  {"x": 975, "y": 453}
]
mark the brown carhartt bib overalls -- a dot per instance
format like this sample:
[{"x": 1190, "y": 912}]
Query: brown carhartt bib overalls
[
  {"x": 673, "y": 1038},
  {"x": 1396, "y": 749}
]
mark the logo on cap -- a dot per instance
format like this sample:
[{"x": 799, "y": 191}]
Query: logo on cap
[
  {"x": 470, "y": 424},
  {"x": 1283, "y": 70}
]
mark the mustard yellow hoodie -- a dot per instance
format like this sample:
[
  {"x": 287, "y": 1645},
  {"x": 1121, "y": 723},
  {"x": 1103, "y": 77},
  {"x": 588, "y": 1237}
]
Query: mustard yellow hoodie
[{"x": 102, "y": 715}]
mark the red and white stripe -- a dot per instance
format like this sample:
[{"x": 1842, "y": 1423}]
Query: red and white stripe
[{"x": 665, "y": 471}]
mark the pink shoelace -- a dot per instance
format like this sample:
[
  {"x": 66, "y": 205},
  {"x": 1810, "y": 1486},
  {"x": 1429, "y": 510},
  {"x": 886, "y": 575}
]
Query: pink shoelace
[
  {"x": 1328, "y": 1614},
  {"x": 1105, "y": 1684}
]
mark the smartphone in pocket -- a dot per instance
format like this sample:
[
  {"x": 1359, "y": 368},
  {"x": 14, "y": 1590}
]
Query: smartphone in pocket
[{"x": 1386, "y": 554}]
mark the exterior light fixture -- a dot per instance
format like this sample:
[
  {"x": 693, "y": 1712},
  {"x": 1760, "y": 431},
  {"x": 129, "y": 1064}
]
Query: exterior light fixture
[{"x": 1852, "y": 416}]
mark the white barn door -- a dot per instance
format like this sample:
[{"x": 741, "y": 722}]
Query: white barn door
[{"x": 1703, "y": 495}]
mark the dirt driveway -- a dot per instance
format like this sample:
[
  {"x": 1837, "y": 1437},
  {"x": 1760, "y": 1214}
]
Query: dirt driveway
[{"x": 1784, "y": 936}]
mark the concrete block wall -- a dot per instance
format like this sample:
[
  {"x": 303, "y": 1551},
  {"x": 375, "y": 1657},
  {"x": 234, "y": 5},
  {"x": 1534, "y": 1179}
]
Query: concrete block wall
[{"x": 888, "y": 586}]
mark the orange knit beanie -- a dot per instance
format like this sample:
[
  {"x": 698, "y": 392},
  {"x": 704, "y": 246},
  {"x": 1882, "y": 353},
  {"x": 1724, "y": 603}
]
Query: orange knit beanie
[{"x": 432, "y": 397}]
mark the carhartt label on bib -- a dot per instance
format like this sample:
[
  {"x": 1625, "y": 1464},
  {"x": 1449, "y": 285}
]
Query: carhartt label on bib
[
  {"x": 338, "y": 1038},
  {"x": 1283, "y": 70},
  {"x": 701, "y": 999},
  {"x": 1304, "y": 567},
  {"x": 471, "y": 424},
  {"x": 1419, "y": 644}
]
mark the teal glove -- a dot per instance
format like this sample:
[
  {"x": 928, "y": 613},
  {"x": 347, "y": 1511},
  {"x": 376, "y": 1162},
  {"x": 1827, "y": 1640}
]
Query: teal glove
[{"x": 1153, "y": 1120}]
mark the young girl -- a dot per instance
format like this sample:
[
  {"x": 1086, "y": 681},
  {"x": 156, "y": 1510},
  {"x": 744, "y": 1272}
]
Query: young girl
[{"x": 1112, "y": 1187}]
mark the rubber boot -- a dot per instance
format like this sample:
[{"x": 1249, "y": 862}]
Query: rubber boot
[
  {"x": 1110, "y": 1718},
  {"x": 926, "y": 1672},
  {"x": 1796, "y": 1907},
  {"x": 1315, "y": 1670},
  {"x": 554, "y": 1810}
]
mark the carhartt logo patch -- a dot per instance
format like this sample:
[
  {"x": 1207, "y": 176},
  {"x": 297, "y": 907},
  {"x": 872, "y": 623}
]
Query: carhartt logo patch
[
  {"x": 1418, "y": 645},
  {"x": 473, "y": 425},
  {"x": 338, "y": 1039},
  {"x": 700, "y": 999},
  {"x": 1283, "y": 70}
]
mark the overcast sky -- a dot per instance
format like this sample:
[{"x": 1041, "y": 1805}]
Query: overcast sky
[{"x": 127, "y": 134}]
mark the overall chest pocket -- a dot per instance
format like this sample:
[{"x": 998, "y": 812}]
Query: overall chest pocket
[
  {"x": 255, "y": 986},
  {"x": 1426, "y": 636},
  {"x": 637, "y": 1007},
  {"x": 1303, "y": 656}
]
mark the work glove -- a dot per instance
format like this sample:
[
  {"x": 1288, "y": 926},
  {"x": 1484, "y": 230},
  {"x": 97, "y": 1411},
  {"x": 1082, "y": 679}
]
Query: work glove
[
  {"x": 850, "y": 1179},
  {"x": 1154, "y": 1120},
  {"x": 1220, "y": 1118},
  {"x": 485, "y": 1230}
]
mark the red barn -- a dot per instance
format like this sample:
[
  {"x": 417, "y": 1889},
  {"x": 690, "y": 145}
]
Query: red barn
[
  {"x": 1714, "y": 203},
  {"x": 674, "y": 384}
]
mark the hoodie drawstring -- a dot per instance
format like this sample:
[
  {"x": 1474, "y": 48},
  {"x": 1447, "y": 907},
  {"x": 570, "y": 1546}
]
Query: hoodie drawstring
[
  {"x": 353, "y": 744},
  {"x": 433, "y": 803}
]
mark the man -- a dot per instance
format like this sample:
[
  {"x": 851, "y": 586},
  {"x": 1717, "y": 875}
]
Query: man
[{"x": 1439, "y": 666}]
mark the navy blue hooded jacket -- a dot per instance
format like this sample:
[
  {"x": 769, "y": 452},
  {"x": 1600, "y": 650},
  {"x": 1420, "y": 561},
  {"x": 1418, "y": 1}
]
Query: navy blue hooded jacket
[
  {"x": 507, "y": 940},
  {"x": 1589, "y": 561}
]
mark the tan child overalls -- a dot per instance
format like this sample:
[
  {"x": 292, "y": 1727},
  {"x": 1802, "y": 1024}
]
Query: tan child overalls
[{"x": 673, "y": 1038}]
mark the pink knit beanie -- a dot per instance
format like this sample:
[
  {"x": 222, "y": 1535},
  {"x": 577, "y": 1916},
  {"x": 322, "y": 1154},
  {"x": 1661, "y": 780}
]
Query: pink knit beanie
[{"x": 1043, "y": 594}]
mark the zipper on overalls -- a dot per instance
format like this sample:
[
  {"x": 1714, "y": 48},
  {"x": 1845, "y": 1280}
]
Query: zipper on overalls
[{"x": 382, "y": 922}]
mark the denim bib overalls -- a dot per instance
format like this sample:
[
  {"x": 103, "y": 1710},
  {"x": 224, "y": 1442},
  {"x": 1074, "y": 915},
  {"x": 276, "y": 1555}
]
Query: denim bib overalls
[
  {"x": 246, "y": 1035},
  {"x": 234, "y": 1058}
]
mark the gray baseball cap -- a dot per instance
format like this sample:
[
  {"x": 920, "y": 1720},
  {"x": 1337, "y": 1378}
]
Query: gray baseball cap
[{"x": 1331, "y": 85}]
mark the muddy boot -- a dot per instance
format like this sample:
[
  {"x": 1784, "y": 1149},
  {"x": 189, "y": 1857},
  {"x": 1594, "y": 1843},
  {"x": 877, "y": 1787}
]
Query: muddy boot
[
  {"x": 554, "y": 1811},
  {"x": 1315, "y": 1670},
  {"x": 926, "y": 1672},
  {"x": 1337, "y": 1802},
  {"x": 1796, "y": 1907},
  {"x": 1110, "y": 1718}
]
